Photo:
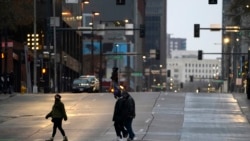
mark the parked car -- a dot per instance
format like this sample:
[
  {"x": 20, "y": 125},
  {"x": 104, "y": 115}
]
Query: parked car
[
  {"x": 84, "y": 85},
  {"x": 94, "y": 81}
]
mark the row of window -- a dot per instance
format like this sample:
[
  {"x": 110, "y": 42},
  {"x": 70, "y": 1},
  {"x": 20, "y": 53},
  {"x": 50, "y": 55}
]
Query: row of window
[
  {"x": 197, "y": 65},
  {"x": 201, "y": 65},
  {"x": 187, "y": 77},
  {"x": 201, "y": 71}
]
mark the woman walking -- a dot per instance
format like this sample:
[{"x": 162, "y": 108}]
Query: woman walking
[{"x": 57, "y": 113}]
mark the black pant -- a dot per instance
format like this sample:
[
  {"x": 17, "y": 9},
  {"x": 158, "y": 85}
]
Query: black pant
[
  {"x": 119, "y": 128},
  {"x": 57, "y": 124},
  {"x": 128, "y": 125}
]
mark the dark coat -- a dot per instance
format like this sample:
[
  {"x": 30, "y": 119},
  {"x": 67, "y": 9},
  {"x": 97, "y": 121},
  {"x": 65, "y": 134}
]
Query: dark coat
[
  {"x": 58, "y": 111},
  {"x": 118, "y": 110},
  {"x": 128, "y": 105}
]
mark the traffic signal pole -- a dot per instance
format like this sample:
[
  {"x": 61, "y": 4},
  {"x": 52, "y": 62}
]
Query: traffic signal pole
[
  {"x": 248, "y": 76},
  {"x": 197, "y": 29}
]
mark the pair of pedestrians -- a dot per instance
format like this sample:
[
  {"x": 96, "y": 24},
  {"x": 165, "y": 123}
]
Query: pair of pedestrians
[{"x": 124, "y": 113}]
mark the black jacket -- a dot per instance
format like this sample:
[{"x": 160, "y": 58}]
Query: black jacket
[
  {"x": 118, "y": 110},
  {"x": 58, "y": 111},
  {"x": 128, "y": 105}
]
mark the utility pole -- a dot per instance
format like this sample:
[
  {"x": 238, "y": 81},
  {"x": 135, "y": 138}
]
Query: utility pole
[
  {"x": 55, "y": 55},
  {"x": 248, "y": 76},
  {"x": 35, "y": 55}
]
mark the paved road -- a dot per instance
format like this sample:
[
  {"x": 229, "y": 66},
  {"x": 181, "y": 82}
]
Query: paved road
[{"x": 160, "y": 117}]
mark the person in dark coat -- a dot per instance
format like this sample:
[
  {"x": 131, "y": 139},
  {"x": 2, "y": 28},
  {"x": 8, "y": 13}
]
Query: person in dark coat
[
  {"x": 128, "y": 113},
  {"x": 58, "y": 113},
  {"x": 118, "y": 119}
]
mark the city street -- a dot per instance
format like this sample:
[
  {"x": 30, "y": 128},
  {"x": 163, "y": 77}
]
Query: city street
[{"x": 160, "y": 116}]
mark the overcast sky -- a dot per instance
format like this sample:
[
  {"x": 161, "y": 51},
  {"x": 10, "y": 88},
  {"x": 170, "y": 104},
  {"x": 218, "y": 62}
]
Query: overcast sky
[{"x": 183, "y": 14}]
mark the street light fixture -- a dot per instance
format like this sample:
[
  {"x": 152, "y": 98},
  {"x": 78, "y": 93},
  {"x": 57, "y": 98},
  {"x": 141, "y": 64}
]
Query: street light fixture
[
  {"x": 85, "y": 1},
  {"x": 92, "y": 40}
]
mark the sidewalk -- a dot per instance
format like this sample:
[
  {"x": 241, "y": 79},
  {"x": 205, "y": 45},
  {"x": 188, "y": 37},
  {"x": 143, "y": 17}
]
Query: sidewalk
[
  {"x": 244, "y": 104},
  {"x": 6, "y": 96}
]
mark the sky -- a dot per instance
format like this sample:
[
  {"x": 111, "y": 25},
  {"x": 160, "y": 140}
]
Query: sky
[{"x": 183, "y": 14}]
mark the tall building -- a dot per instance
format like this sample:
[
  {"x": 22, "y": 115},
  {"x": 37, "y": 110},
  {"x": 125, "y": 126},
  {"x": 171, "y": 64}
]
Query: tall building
[
  {"x": 175, "y": 44},
  {"x": 113, "y": 15},
  {"x": 155, "y": 40},
  {"x": 90, "y": 51},
  {"x": 190, "y": 72},
  {"x": 235, "y": 50}
]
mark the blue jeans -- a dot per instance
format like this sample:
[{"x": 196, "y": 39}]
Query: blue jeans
[{"x": 128, "y": 125}]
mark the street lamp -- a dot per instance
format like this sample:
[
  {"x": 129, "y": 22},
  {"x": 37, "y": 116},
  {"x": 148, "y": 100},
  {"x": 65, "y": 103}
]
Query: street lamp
[
  {"x": 92, "y": 40},
  {"x": 35, "y": 90},
  {"x": 85, "y": 1}
]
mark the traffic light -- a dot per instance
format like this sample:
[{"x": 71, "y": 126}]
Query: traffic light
[
  {"x": 157, "y": 54},
  {"x": 142, "y": 30},
  {"x": 43, "y": 70},
  {"x": 120, "y": 2},
  {"x": 242, "y": 66},
  {"x": 191, "y": 78},
  {"x": 239, "y": 70},
  {"x": 168, "y": 73},
  {"x": 181, "y": 85},
  {"x": 196, "y": 30},
  {"x": 114, "y": 75},
  {"x": 200, "y": 54},
  {"x": 212, "y": 1},
  {"x": 2, "y": 55}
]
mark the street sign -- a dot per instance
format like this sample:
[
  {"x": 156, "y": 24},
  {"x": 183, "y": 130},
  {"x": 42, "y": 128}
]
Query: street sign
[
  {"x": 129, "y": 26},
  {"x": 152, "y": 53},
  {"x": 238, "y": 81},
  {"x": 54, "y": 21},
  {"x": 114, "y": 57},
  {"x": 155, "y": 71},
  {"x": 136, "y": 74}
]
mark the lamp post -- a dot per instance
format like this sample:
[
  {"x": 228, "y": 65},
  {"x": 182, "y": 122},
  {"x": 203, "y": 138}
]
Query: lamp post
[
  {"x": 54, "y": 41},
  {"x": 35, "y": 55},
  {"x": 92, "y": 40},
  {"x": 33, "y": 43},
  {"x": 84, "y": 2}
]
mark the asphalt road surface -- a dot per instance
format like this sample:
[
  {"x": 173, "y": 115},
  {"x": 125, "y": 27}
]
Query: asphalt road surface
[{"x": 161, "y": 116}]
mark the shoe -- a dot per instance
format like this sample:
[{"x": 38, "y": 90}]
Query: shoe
[
  {"x": 125, "y": 135},
  {"x": 50, "y": 139},
  {"x": 129, "y": 139},
  {"x": 65, "y": 138},
  {"x": 119, "y": 139}
]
